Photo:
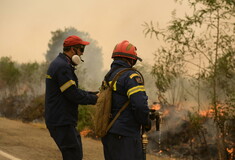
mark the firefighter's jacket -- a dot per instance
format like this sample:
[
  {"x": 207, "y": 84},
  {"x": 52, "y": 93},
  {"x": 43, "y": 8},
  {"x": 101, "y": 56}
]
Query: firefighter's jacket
[
  {"x": 128, "y": 86},
  {"x": 63, "y": 94}
]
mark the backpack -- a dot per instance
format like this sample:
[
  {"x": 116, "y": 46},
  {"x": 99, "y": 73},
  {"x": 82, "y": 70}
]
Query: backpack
[{"x": 104, "y": 105}]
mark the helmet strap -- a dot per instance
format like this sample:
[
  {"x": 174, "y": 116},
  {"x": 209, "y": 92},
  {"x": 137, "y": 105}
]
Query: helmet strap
[{"x": 131, "y": 62}]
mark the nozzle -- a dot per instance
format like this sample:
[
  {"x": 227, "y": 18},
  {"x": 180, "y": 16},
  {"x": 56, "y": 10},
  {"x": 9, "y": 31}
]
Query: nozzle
[{"x": 144, "y": 141}]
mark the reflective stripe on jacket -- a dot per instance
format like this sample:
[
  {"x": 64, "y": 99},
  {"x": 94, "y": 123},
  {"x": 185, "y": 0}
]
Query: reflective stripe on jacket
[
  {"x": 128, "y": 86},
  {"x": 63, "y": 94}
]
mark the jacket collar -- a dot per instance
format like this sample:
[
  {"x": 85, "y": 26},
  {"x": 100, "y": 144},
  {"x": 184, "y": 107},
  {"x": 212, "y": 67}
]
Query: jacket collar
[
  {"x": 67, "y": 59},
  {"x": 120, "y": 63}
]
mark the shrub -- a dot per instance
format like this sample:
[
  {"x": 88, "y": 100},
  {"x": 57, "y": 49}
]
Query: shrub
[
  {"x": 85, "y": 117},
  {"x": 34, "y": 111}
]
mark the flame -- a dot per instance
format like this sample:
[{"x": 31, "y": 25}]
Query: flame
[
  {"x": 166, "y": 112},
  {"x": 160, "y": 151},
  {"x": 211, "y": 111},
  {"x": 156, "y": 107},
  {"x": 230, "y": 150},
  {"x": 85, "y": 132},
  {"x": 206, "y": 113}
]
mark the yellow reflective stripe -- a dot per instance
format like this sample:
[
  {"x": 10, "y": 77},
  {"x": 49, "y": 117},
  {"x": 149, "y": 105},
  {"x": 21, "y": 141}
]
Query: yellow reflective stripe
[
  {"x": 48, "y": 76},
  {"x": 135, "y": 90},
  {"x": 133, "y": 75},
  {"x": 114, "y": 85},
  {"x": 67, "y": 85}
]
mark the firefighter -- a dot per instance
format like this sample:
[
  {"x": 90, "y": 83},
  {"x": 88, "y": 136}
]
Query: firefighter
[
  {"x": 123, "y": 140},
  {"x": 63, "y": 97}
]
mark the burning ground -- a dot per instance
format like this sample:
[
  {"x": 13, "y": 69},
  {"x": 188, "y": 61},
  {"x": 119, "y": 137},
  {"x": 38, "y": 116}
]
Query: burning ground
[{"x": 183, "y": 134}]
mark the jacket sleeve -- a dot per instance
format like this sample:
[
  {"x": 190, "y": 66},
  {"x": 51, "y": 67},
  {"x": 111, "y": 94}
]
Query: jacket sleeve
[
  {"x": 71, "y": 91},
  {"x": 138, "y": 98}
]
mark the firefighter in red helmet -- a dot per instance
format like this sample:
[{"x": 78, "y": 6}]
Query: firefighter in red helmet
[{"x": 123, "y": 140}]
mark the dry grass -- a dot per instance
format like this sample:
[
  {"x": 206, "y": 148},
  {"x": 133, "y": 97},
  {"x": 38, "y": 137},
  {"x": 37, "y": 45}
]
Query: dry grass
[{"x": 31, "y": 141}]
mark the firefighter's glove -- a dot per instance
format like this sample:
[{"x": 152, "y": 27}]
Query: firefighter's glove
[
  {"x": 152, "y": 117},
  {"x": 152, "y": 114},
  {"x": 148, "y": 126}
]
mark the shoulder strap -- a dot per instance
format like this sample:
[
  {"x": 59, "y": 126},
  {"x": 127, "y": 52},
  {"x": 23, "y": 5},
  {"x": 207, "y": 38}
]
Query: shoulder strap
[
  {"x": 109, "y": 74},
  {"x": 127, "y": 103},
  {"x": 119, "y": 74},
  {"x": 117, "y": 115}
]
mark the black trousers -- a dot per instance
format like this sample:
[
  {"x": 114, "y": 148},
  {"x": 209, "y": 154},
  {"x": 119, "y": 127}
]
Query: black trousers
[
  {"x": 122, "y": 148},
  {"x": 68, "y": 141}
]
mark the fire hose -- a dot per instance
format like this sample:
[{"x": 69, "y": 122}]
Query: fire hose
[
  {"x": 144, "y": 142},
  {"x": 153, "y": 115}
]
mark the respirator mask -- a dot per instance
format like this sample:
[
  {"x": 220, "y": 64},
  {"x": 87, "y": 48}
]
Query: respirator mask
[{"x": 76, "y": 59}]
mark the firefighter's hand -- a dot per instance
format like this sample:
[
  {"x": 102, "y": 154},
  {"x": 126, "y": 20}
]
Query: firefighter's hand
[
  {"x": 152, "y": 114},
  {"x": 98, "y": 94}
]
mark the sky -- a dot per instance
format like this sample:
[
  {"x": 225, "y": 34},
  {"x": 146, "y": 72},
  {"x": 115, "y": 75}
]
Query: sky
[{"x": 26, "y": 25}]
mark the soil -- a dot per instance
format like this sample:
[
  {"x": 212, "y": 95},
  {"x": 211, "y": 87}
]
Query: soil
[{"x": 31, "y": 141}]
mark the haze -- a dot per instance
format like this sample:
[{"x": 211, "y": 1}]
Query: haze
[{"x": 26, "y": 25}]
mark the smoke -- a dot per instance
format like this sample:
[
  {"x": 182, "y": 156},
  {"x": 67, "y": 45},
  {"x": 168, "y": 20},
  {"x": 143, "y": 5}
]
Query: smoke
[
  {"x": 90, "y": 72},
  {"x": 149, "y": 81},
  {"x": 93, "y": 67},
  {"x": 109, "y": 22}
]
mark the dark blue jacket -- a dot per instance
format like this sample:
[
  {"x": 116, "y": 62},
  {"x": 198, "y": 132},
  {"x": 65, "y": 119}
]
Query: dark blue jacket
[
  {"x": 63, "y": 94},
  {"x": 129, "y": 86}
]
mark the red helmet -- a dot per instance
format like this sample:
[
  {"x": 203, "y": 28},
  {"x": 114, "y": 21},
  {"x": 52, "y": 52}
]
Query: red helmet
[{"x": 125, "y": 49}]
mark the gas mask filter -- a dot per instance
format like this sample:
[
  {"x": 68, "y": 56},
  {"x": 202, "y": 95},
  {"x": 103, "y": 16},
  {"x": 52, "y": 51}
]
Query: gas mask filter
[{"x": 76, "y": 59}]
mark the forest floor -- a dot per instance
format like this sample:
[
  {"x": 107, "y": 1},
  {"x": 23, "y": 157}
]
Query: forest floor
[{"x": 31, "y": 141}]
